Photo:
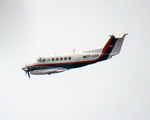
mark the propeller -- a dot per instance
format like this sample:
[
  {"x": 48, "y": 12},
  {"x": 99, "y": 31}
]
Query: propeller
[{"x": 27, "y": 71}]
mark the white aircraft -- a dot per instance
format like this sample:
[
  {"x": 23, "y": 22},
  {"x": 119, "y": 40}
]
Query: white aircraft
[{"x": 61, "y": 62}]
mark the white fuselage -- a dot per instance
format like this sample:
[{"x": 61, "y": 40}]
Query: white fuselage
[{"x": 61, "y": 62}]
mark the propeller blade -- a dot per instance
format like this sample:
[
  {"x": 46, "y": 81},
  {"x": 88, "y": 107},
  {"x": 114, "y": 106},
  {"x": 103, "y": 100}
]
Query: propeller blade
[
  {"x": 27, "y": 70},
  {"x": 29, "y": 75}
]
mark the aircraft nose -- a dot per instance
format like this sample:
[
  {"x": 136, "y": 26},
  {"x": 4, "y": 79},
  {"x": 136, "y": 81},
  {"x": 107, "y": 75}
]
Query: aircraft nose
[{"x": 24, "y": 68}]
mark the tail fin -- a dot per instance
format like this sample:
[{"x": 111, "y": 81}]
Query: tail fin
[
  {"x": 113, "y": 46},
  {"x": 120, "y": 38}
]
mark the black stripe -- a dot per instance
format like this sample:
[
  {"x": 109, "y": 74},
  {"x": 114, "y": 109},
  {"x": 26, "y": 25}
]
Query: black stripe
[{"x": 110, "y": 48}]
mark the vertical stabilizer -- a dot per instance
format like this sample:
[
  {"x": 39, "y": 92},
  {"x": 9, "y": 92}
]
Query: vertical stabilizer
[
  {"x": 119, "y": 41},
  {"x": 113, "y": 46}
]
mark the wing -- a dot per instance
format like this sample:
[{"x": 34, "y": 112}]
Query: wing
[{"x": 48, "y": 71}]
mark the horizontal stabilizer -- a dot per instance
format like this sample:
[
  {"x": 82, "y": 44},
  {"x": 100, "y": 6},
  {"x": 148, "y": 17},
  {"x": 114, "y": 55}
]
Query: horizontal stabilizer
[
  {"x": 119, "y": 41},
  {"x": 120, "y": 34}
]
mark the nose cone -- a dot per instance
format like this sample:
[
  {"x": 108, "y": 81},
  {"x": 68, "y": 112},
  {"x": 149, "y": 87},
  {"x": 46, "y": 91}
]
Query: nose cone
[{"x": 24, "y": 68}]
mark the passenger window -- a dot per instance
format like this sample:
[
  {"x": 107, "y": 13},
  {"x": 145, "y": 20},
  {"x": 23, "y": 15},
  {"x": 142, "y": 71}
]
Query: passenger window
[
  {"x": 65, "y": 58},
  {"x": 57, "y": 58},
  {"x": 61, "y": 58},
  {"x": 69, "y": 58},
  {"x": 53, "y": 59}
]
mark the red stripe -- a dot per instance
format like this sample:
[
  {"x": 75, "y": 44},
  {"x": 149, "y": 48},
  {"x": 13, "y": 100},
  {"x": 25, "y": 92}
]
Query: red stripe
[
  {"x": 106, "y": 47},
  {"x": 103, "y": 52}
]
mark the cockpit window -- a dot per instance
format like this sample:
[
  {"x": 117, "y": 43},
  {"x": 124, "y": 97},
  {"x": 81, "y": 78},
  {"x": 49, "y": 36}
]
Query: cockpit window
[
  {"x": 39, "y": 60},
  {"x": 43, "y": 59}
]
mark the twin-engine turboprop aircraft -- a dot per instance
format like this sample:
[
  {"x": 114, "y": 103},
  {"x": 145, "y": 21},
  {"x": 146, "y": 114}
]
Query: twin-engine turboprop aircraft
[{"x": 62, "y": 62}]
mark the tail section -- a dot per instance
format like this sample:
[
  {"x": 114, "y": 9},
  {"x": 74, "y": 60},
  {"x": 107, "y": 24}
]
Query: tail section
[
  {"x": 117, "y": 47},
  {"x": 113, "y": 46}
]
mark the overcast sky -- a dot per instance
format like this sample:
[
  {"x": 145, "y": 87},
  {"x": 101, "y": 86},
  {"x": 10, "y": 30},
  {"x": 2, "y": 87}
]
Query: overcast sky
[{"x": 116, "y": 89}]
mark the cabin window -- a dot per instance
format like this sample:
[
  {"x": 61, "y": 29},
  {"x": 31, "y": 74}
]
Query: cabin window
[
  {"x": 65, "y": 58},
  {"x": 53, "y": 59},
  {"x": 57, "y": 58},
  {"x": 69, "y": 58},
  {"x": 61, "y": 58}
]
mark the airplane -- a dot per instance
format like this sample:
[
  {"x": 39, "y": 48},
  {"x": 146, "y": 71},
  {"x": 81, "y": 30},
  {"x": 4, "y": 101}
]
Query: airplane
[{"x": 62, "y": 62}]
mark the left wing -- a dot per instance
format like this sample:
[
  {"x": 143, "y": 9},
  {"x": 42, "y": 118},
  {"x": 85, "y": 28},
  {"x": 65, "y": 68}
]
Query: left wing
[{"x": 48, "y": 71}]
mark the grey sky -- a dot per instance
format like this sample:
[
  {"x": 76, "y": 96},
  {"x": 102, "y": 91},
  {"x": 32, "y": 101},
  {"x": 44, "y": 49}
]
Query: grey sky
[{"x": 117, "y": 89}]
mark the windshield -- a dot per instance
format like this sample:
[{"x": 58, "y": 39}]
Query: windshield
[
  {"x": 38, "y": 60},
  {"x": 41, "y": 60}
]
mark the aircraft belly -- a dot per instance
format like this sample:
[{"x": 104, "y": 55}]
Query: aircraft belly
[{"x": 49, "y": 71}]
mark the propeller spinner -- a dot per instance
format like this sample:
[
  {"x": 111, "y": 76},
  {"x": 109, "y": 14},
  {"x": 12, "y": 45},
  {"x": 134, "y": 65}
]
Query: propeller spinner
[{"x": 27, "y": 71}]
